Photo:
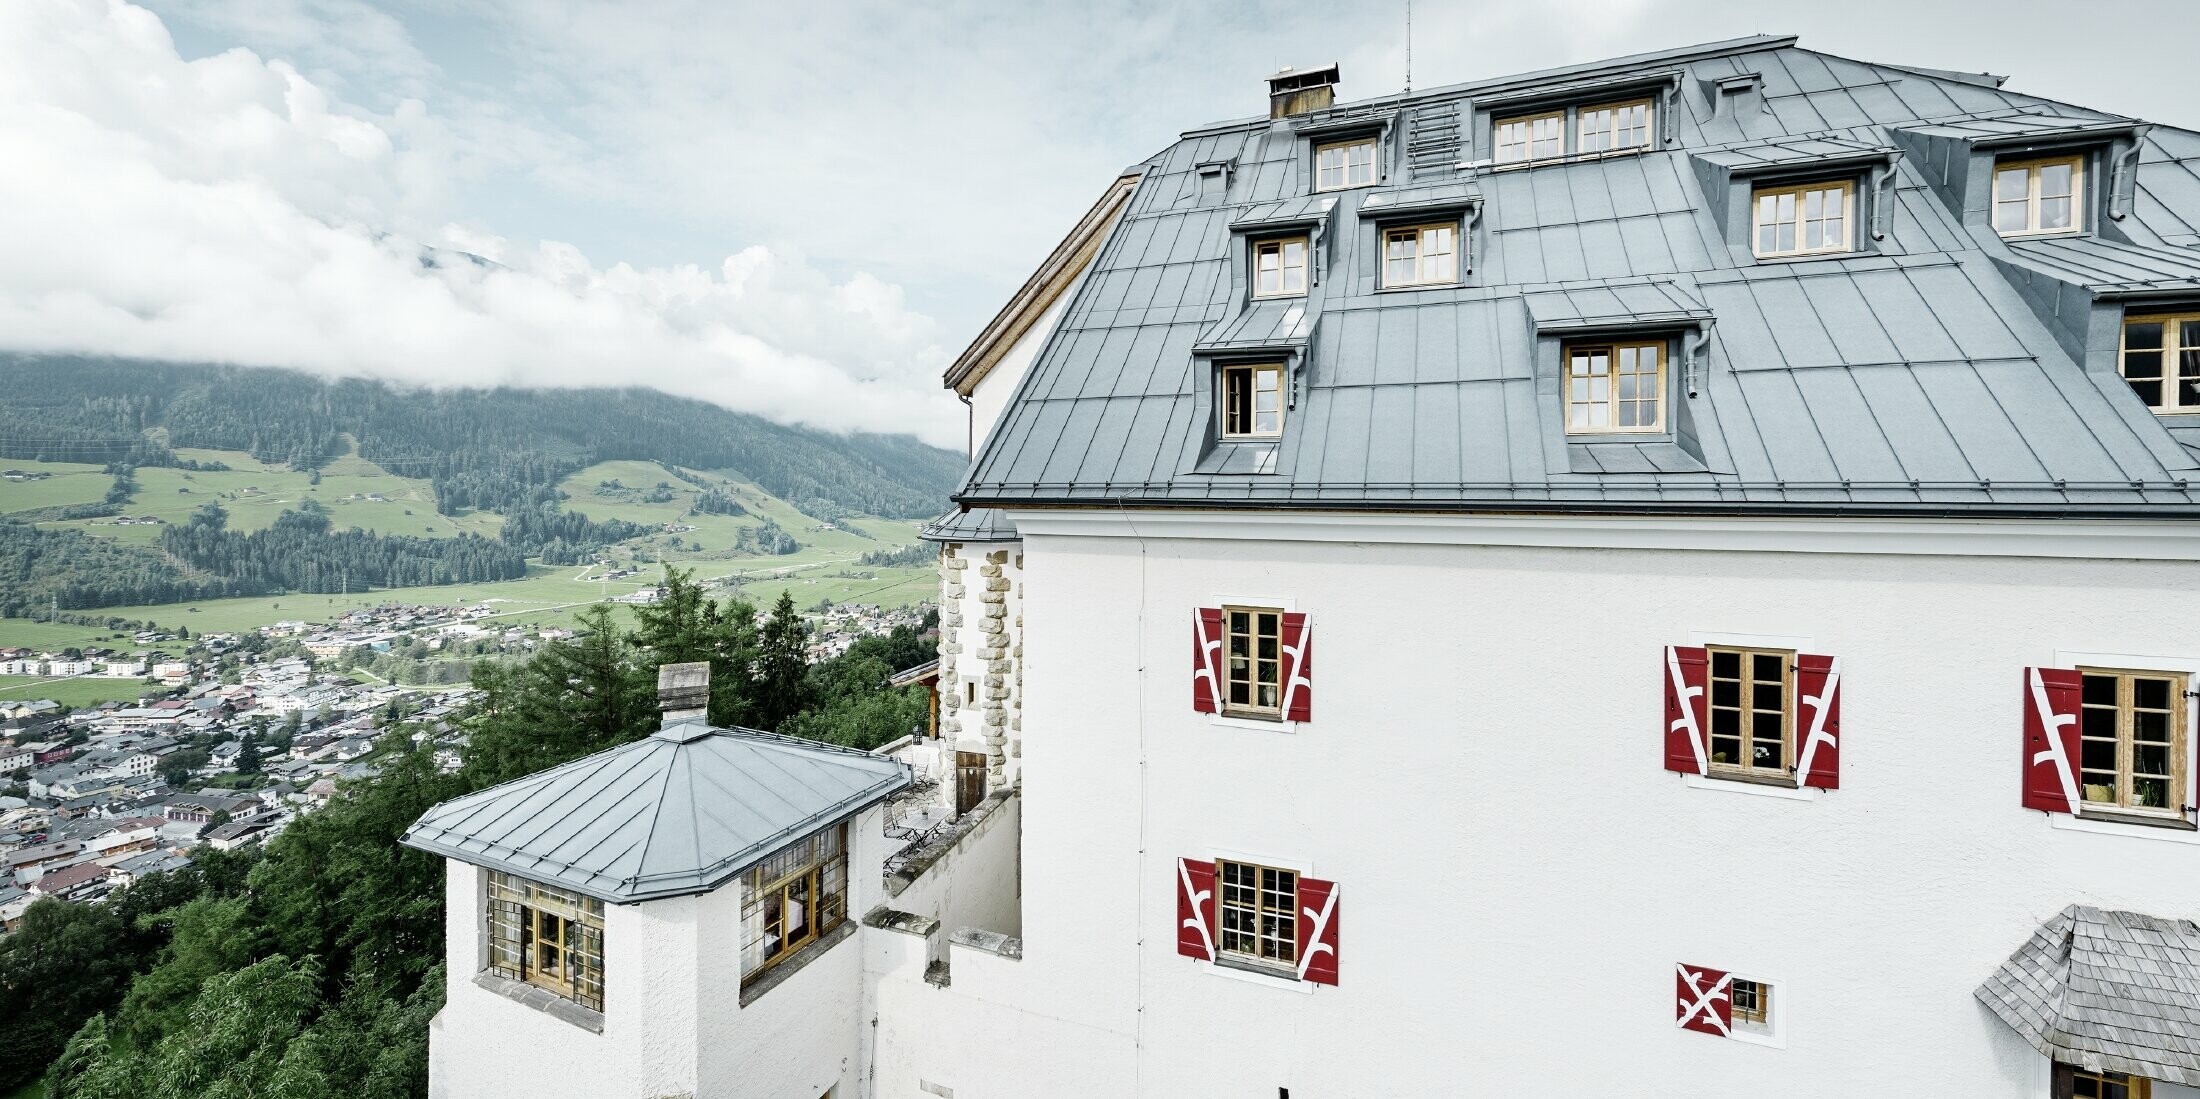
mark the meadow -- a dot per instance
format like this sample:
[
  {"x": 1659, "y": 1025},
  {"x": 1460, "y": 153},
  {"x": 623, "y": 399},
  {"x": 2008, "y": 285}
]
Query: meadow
[
  {"x": 826, "y": 568},
  {"x": 80, "y": 691}
]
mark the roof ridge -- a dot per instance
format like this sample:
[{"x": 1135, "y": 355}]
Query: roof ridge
[{"x": 1693, "y": 52}]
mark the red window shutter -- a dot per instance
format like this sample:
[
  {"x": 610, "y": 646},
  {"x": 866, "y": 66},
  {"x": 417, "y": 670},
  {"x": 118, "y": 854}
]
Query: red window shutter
[
  {"x": 1706, "y": 1001},
  {"x": 1207, "y": 660},
  {"x": 1298, "y": 667},
  {"x": 1195, "y": 909},
  {"x": 1818, "y": 721},
  {"x": 1317, "y": 931},
  {"x": 1687, "y": 679},
  {"x": 2051, "y": 739}
]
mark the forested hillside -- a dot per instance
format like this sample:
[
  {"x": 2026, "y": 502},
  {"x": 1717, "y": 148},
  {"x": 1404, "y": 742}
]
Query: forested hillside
[
  {"x": 501, "y": 449},
  {"x": 312, "y": 966}
]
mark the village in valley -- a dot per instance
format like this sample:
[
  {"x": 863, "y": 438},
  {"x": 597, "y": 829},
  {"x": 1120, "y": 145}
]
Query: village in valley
[{"x": 230, "y": 736}]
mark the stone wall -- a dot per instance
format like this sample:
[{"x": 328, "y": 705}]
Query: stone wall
[{"x": 981, "y": 657}]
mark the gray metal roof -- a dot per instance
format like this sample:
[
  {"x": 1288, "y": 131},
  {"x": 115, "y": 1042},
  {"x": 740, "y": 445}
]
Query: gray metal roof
[
  {"x": 1916, "y": 375},
  {"x": 2114, "y": 991},
  {"x": 2109, "y": 267},
  {"x": 680, "y": 811},
  {"x": 974, "y": 525}
]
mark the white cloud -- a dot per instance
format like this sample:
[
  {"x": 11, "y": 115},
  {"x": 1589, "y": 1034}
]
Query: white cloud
[{"x": 230, "y": 209}]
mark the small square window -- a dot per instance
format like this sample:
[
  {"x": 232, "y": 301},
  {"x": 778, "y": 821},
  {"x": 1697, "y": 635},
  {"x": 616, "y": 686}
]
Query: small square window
[
  {"x": 1344, "y": 164},
  {"x": 1614, "y": 127},
  {"x": 1421, "y": 255},
  {"x": 1813, "y": 219},
  {"x": 1252, "y": 401},
  {"x": 1615, "y": 388},
  {"x": 1279, "y": 268},
  {"x": 1258, "y": 908},
  {"x": 2160, "y": 359},
  {"x": 1252, "y": 651},
  {"x": 2039, "y": 197},
  {"x": 1752, "y": 1006},
  {"x": 1530, "y": 137}
]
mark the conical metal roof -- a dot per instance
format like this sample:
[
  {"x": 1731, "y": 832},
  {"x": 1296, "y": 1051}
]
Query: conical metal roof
[{"x": 679, "y": 812}]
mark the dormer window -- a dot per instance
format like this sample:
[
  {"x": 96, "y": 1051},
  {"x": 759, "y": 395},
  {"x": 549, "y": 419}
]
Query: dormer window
[
  {"x": 1615, "y": 127},
  {"x": 1535, "y": 137},
  {"x": 1252, "y": 401},
  {"x": 1344, "y": 164},
  {"x": 1421, "y": 255},
  {"x": 1615, "y": 388},
  {"x": 1811, "y": 219},
  {"x": 1279, "y": 268},
  {"x": 2160, "y": 360},
  {"x": 2037, "y": 197},
  {"x": 1601, "y": 130}
]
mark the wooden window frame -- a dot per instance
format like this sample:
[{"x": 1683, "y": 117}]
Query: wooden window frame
[
  {"x": 2067, "y": 1076},
  {"x": 1344, "y": 169},
  {"x": 1612, "y": 375},
  {"x": 1800, "y": 192},
  {"x": 2126, "y": 741},
  {"x": 1418, "y": 234},
  {"x": 526, "y": 918},
  {"x": 1528, "y": 139},
  {"x": 1746, "y": 706},
  {"x": 819, "y": 863},
  {"x": 1230, "y": 677},
  {"x": 1247, "y": 426},
  {"x": 1649, "y": 127},
  {"x": 1279, "y": 247},
  {"x": 2032, "y": 167},
  {"x": 1285, "y": 913},
  {"x": 2172, "y": 349}
]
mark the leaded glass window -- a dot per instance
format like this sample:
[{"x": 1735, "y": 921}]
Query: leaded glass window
[
  {"x": 546, "y": 936},
  {"x": 793, "y": 897}
]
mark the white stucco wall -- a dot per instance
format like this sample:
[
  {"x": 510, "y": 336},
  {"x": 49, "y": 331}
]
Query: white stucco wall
[
  {"x": 673, "y": 1020},
  {"x": 977, "y": 882},
  {"x": 1517, "y": 873},
  {"x": 484, "y": 1046},
  {"x": 991, "y": 396}
]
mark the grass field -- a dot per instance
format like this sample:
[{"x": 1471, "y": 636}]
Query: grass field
[
  {"x": 73, "y": 692},
  {"x": 357, "y": 493},
  {"x": 825, "y": 568},
  {"x": 67, "y": 483},
  {"x": 58, "y": 635}
]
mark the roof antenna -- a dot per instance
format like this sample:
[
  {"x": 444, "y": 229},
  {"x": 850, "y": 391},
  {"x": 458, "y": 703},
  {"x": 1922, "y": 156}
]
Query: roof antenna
[{"x": 1409, "y": 47}]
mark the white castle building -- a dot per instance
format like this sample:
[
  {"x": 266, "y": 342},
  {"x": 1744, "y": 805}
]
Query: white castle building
[{"x": 1748, "y": 501}]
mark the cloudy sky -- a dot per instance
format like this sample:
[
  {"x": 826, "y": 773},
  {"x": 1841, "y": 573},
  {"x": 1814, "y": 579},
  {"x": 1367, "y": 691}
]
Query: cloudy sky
[{"x": 798, "y": 209}]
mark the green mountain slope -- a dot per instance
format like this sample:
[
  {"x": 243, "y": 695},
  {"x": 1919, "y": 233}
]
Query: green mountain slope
[{"x": 499, "y": 449}]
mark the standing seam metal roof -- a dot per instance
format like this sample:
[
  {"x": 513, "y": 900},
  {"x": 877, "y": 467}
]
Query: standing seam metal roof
[
  {"x": 680, "y": 811},
  {"x": 1911, "y": 377}
]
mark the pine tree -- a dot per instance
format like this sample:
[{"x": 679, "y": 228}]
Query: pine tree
[{"x": 782, "y": 659}]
